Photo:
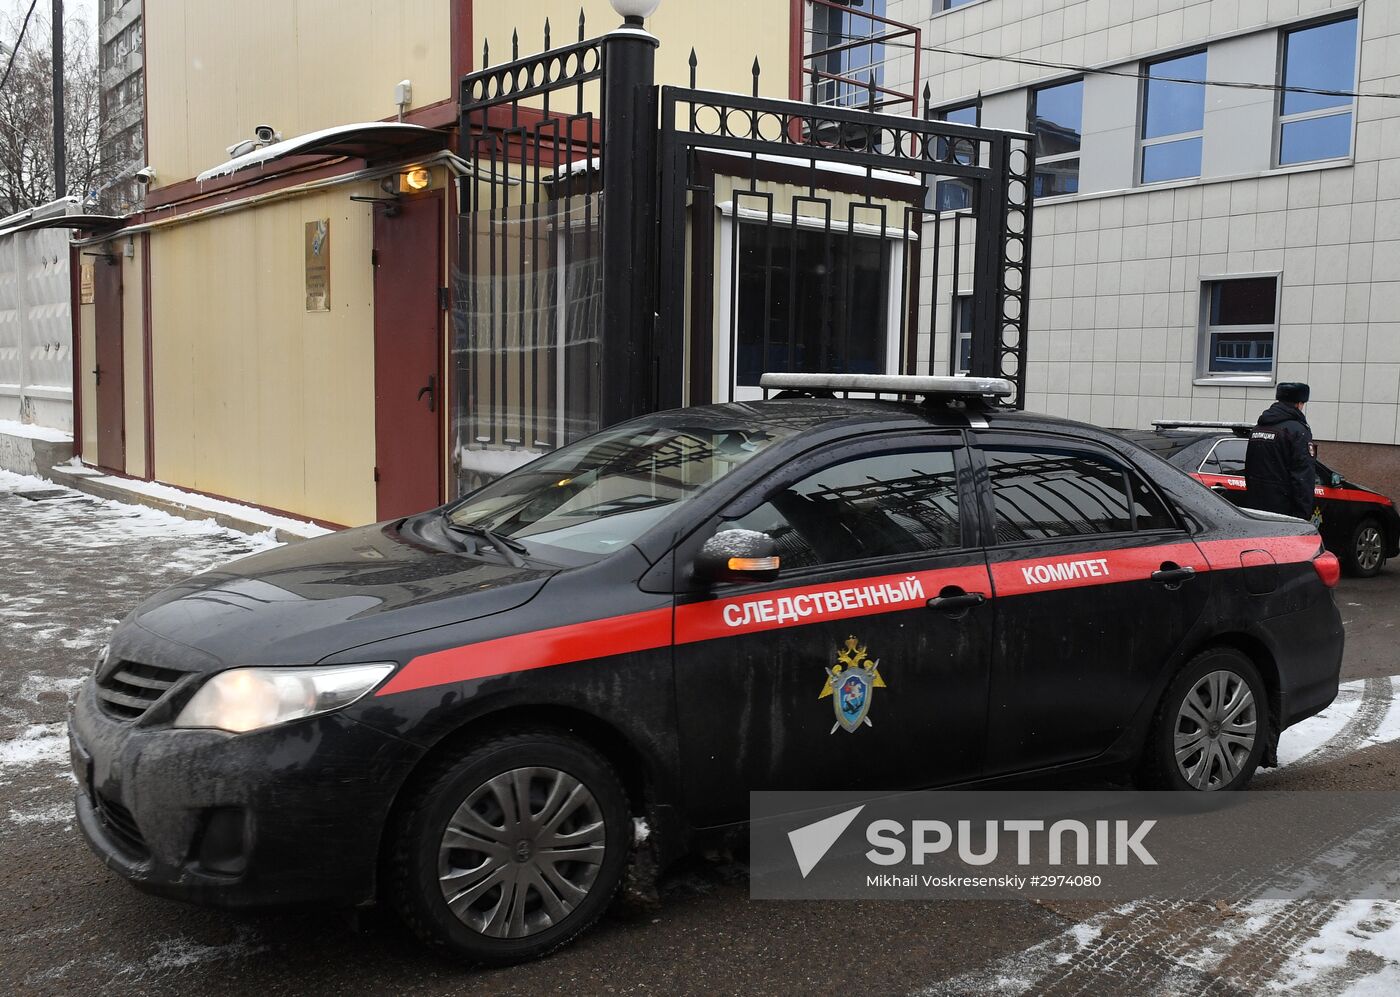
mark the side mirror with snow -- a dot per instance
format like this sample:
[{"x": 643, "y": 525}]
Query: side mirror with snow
[{"x": 738, "y": 556}]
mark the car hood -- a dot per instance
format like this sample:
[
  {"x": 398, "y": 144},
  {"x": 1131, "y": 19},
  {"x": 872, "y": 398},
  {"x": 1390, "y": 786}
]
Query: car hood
[{"x": 299, "y": 603}]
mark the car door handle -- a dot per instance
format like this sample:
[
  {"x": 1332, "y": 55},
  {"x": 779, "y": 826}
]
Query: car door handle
[
  {"x": 1171, "y": 574},
  {"x": 429, "y": 389},
  {"x": 955, "y": 600}
]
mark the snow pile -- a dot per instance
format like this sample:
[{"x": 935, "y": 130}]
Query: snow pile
[
  {"x": 37, "y": 744},
  {"x": 8, "y": 427}
]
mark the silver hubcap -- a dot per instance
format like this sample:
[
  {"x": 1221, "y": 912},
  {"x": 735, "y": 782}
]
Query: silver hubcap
[
  {"x": 1215, "y": 730},
  {"x": 1370, "y": 547},
  {"x": 521, "y": 852}
]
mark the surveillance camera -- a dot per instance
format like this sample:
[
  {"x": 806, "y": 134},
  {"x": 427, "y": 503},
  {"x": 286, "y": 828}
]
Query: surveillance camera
[
  {"x": 145, "y": 175},
  {"x": 241, "y": 148},
  {"x": 266, "y": 134}
]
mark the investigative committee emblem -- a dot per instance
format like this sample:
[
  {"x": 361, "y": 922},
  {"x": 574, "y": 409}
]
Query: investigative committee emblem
[{"x": 851, "y": 683}]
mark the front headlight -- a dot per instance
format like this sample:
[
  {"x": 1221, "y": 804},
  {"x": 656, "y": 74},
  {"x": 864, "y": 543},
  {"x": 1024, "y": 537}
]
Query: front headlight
[{"x": 245, "y": 699}]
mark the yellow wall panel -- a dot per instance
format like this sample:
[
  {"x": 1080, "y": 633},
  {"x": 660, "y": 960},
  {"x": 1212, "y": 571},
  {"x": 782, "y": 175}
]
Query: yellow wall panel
[
  {"x": 215, "y": 70},
  {"x": 256, "y": 398},
  {"x": 725, "y": 51}
]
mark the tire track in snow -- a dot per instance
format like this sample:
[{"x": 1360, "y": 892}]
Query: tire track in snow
[
  {"x": 1376, "y": 701},
  {"x": 1159, "y": 946}
]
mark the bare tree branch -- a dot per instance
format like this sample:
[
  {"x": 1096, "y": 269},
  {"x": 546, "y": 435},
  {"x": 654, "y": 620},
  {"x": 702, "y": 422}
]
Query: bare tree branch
[{"x": 26, "y": 121}]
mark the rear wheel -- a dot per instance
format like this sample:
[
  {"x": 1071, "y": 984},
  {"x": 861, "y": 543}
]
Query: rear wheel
[
  {"x": 1210, "y": 729},
  {"x": 1365, "y": 554},
  {"x": 512, "y": 849}
]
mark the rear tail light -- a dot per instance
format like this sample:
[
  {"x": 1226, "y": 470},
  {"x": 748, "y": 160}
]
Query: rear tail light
[{"x": 1328, "y": 568}]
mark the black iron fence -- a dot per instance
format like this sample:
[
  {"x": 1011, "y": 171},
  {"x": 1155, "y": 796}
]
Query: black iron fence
[{"x": 623, "y": 248}]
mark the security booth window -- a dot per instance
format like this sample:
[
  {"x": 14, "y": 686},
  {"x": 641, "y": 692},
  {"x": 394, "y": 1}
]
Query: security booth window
[
  {"x": 1317, "y": 126},
  {"x": 885, "y": 505},
  {"x": 1173, "y": 118},
  {"x": 1057, "y": 121},
  {"x": 810, "y": 299},
  {"x": 1239, "y": 325},
  {"x": 1052, "y": 493},
  {"x": 956, "y": 195}
]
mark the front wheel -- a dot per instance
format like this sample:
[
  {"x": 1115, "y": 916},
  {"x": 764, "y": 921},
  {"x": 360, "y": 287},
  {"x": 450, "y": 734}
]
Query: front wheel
[
  {"x": 512, "y": 849},
  {"x": 1210, "y": 729},
  {"x": 1365, "y": 554}
]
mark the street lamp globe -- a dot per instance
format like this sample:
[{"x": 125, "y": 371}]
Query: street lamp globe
[{"x": 635, "y": 11}]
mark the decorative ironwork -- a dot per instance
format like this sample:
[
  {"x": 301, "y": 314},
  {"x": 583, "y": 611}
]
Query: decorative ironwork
[
  {"x": 527, "y": 280},
  {"x": 832, "y": 176},
  {"x": 783, "y": 235}
]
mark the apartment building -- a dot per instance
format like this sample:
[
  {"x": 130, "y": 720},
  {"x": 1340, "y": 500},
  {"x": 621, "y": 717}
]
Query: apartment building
[
  {"x": 1215, "y": 210},
  {"x": 122, "y": 76}
]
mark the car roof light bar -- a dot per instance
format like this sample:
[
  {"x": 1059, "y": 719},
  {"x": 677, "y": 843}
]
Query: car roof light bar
[
  {"x": 1238, "y": 428},
  {"x": 891, "y": 384}
]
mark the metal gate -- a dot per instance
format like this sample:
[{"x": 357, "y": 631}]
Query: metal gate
[
  {"x": 622, "y": 250},
  {"x": 820, "y": 203}
]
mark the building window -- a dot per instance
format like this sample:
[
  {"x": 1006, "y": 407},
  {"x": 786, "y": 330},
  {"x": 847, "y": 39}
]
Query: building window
[
  {"x": 956, "y": 195},
  {"x": 950, "y": 4},
  {"x": 845, "y": 54},
  {"x": 1315, "y": 126},
  {"x": 1057, "y": 120},
  {"x": 1173, "y": 118},
  {"x": 962, "y": 333},
  {"x": 1239, "y": 325}
]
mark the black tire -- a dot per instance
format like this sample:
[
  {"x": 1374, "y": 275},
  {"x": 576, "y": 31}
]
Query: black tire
[
  {"x": 1361, "y": 558},
  {"x": 1230, "y": 768},
  {"x": 412, "y": 867}
]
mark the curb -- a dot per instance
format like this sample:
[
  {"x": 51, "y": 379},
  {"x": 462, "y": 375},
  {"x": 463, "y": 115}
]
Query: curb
[{"x": 99, "y": 485}]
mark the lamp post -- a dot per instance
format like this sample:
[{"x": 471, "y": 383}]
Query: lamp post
[
  {"x": 629, "y": 359},
  {"x": 60, "y": 151}
]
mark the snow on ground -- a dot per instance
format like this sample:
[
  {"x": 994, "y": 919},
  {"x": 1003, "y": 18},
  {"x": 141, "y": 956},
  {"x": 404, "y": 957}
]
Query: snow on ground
[
  {"x": 70, "y": 567},
  {"x": 1307, "y": 947}
]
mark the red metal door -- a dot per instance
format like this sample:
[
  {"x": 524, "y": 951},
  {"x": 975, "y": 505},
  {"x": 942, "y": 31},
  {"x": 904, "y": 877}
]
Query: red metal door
[
  {"x": 111, "y": 398},
  {"x": 408, "y": 388}
]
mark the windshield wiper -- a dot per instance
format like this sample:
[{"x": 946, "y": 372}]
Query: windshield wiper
[{"x": 508, "y": 548}]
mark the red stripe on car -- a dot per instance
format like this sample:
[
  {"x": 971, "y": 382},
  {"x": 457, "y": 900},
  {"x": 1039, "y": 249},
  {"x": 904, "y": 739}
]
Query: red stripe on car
[
  {"x": 1235, "y": 484},
  {"x": 536, "y": 649},
  {"x": 1090, "y": 568},
  {"x": 758, "y": 612},
  {"x": 815, "y": 603}
]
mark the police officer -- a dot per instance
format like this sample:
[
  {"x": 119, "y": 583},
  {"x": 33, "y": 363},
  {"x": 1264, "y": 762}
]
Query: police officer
[{"x": 1278, "y": 465}]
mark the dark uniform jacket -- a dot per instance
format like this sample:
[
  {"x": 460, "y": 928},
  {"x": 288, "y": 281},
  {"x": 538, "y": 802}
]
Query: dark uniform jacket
[{"x": 1278, "y": 465}]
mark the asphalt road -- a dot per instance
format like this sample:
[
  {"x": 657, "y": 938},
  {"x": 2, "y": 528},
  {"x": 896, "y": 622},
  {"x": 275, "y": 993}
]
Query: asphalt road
[{"x": 69, "y": 567}]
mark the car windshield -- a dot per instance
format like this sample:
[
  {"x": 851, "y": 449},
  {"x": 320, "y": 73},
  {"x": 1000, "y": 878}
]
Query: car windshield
[{"x": 604, "y": 492}]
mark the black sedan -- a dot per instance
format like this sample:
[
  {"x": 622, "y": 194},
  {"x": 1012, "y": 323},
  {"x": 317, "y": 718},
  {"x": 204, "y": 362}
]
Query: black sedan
[
  {"x": 1357, "y": 524},
  {"x": 484, "y": 714}
]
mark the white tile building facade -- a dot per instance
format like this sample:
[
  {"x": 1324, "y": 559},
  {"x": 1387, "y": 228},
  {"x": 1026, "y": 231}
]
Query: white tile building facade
[{"x": 1123, "y": 270}]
